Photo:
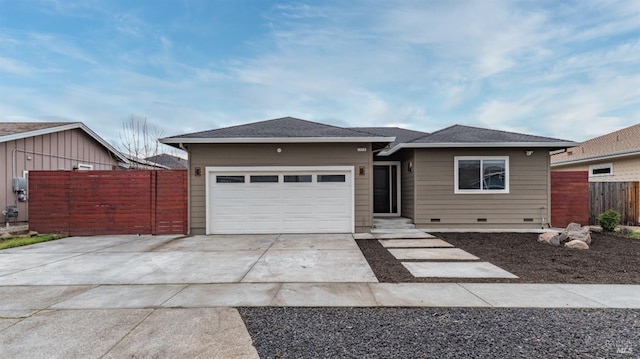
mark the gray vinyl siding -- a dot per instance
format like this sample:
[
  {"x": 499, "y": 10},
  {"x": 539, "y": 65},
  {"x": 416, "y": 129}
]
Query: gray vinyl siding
[
  {"x": 528, "y": 195},
  {"x": 55, "y": 151},
  {"x": 244, "y": 155}
]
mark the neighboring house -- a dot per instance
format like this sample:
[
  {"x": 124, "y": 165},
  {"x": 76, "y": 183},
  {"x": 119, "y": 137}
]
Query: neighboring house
[
  {"x": 614, "y": 157},
  {"x": 26, "y": 146},
  {"x": 294, "y": 176},
  {"x": 169, "y": 161},
  {"x": 142, "y": 164}
]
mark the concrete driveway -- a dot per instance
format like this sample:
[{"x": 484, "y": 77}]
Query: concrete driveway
[{"x": 178, "y": 260}]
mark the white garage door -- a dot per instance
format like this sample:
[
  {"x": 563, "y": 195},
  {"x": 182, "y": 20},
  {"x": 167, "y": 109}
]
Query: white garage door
[{"x": 280, "y": 200}]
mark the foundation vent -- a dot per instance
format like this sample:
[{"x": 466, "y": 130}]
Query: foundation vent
[
  {"x": 528, "y": 219},
  {"x": 482, "y": 219},
  {"x": 435, "y": 219}
]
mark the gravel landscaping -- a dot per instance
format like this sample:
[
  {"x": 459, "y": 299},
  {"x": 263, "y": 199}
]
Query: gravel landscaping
[
  {"x": 610, "y": 260},
  {"x": 443, "y": 333}
]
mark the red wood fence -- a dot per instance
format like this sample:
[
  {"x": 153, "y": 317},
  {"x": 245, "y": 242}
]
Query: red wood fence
[
  {"x": 569, "y": 198},
  {"x": 108, "y": 202}
]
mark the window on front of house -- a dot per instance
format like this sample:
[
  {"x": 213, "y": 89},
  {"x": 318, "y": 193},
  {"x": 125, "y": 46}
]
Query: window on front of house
[
  {"x": 481, "y": 174},
  {"x": 604, "y": 169}
]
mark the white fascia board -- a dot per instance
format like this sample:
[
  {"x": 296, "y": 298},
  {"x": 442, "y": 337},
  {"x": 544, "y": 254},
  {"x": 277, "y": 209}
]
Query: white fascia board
[
  {"x": 596, "y": 158},
  {"x": 480, "y": 145},
  {"x": 70, "y": 126},
  {"x": 169, "y": 140},
  {"x": 40, "y": 132}
]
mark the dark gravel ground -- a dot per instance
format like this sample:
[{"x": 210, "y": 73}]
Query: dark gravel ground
[
  {"x": 610, "y": 260},
  {"x": 443, "y": 333}
]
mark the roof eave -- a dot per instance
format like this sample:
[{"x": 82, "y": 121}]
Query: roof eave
[
  {"x": 40, "y": 132},
  {"x": 175, "y": 140},
  {"x": 551, "y": 145},
  {"x": 596, "y": 158},
  {"x": 70, "y": 126}
]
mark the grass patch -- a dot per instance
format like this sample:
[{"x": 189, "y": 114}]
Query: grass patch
[
  {"x": 24, "y": 241},
  {"x": 635, "y": 235}
]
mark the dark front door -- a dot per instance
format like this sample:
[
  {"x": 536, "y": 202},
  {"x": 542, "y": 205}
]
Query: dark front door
[{"x": 385, "y": 189}]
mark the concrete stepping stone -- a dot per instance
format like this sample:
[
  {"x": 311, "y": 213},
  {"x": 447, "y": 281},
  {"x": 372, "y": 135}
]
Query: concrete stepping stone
[
  {"x": 405, "y": 234},
  {"x": 432, "y": 254},
  {"x": 456, "y": 270},
  {"x": 414, "y": 243}
]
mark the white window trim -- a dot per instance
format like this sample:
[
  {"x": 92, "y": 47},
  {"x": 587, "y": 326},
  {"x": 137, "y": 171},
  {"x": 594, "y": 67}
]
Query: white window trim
[
  {"x": 84, "y": 167},
  {"x": 601, "y": 166},
  {"x": 481, "y": 191}
]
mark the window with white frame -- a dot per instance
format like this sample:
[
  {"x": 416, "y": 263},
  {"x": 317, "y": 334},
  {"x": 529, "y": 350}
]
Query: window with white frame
[
  {"x": 600, "y": 170},
  {"x": 475, "y": 174}
]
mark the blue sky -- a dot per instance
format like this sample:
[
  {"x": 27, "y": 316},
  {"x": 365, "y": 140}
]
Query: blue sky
[{"x": 566, "y": 69}]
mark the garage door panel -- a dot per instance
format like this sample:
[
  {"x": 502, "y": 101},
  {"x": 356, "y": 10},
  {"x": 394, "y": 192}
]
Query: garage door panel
[{"x": 282, "y": 207}]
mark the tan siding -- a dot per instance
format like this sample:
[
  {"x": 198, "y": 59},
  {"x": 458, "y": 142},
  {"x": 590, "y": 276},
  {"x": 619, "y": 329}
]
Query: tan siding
[
  {"x": 243, "y": 155},
  {"x": 407, "y": 185},
  {"x": 624, "y": 170},
  {"x": 45, "y": 152},
  {"x": 435, "y": 197}
]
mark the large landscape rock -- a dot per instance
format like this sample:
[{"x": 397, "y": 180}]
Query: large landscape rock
[
  {"x": 550, "y": 237},
  {"x": 575, "y": 231},
  {"x": 576, "y": 244}
]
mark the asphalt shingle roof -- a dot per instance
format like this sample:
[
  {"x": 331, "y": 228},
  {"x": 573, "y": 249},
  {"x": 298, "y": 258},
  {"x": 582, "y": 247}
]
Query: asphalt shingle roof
[
  {"x": 626, "y": 140},
  {"x": 402, "y": 135},
  {"x": 280, "y": 127},
  {"x": 165, "y": 159},
  {"x": 12, "y": 128},
  {"x": 468, "y": 134}
]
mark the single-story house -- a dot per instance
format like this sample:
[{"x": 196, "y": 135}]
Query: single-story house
[
  {"x": 27, "y": 146},
  {"x": 614, "y": 157},
  {"x": 289, "y": 175}
]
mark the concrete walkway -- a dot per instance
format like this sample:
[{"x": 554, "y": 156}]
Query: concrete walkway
[{"x": 168, "y": 296}]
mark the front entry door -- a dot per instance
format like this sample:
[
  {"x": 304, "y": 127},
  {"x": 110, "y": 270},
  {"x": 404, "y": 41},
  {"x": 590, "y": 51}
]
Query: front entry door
[{"x": 386, "y": 188}]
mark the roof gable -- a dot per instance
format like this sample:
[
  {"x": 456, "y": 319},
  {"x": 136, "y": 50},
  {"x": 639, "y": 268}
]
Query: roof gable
[
  {"x": 468, "y": 134},
  {"x": 280, "y": 127},
  {"x": 618, "y": 143},
  {"x": 11, "y": 131},
  {"x": 286, "y": 129}
]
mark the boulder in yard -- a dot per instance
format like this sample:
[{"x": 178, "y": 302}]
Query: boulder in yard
[
  {"x": 550, "y": 237},
  {"x": 4, "y": 235},
  {"x": 576, "y": 231},
  {"x": 576, "y": 244}
]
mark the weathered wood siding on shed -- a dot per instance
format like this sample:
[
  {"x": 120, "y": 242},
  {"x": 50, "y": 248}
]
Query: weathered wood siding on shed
[
  {"x": 525, "y": 206},
  {"x": 56, "y": 151},
  {"x": 244, "y": 155}
]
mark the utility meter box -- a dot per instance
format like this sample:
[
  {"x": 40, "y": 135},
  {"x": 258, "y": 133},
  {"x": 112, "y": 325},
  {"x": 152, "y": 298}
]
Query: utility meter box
[{"x": 19, "y": 184}]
